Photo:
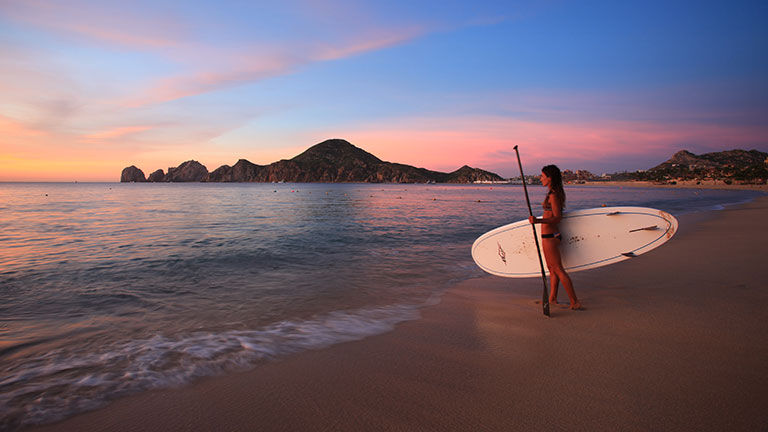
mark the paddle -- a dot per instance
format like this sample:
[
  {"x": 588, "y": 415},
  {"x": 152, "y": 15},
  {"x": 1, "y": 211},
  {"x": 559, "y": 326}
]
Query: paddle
[{"x": 544, "y": 293}]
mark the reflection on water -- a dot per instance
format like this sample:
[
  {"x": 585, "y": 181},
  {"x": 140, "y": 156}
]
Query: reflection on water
[{"x": 113, "y": 288}]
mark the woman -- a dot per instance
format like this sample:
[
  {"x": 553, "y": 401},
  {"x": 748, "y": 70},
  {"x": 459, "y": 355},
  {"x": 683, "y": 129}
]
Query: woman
[{"x": 550, "y": 236}]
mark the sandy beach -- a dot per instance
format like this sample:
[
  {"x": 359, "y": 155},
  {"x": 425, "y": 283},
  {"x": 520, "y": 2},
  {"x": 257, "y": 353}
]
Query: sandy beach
[{"x": 672, "y": 340}]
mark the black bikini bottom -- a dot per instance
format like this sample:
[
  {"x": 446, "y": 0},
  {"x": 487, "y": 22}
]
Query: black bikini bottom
[{"x": 554, "y": 235}]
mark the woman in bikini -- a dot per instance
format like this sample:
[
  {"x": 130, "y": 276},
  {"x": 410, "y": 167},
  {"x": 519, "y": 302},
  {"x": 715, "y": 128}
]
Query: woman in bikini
[{"x": 550, "y": 236}]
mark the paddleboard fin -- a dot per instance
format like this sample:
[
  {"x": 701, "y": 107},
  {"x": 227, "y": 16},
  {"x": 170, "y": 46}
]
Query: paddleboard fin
[{"x": 648, "y": 228}]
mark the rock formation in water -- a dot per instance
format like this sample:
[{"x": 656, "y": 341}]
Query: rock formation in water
[
  {"x": 157, "y": 176},
  {"x": 132, "y": 174},
  {"x": 331, "y": 161},
  {"x": 189, "y": 171}
]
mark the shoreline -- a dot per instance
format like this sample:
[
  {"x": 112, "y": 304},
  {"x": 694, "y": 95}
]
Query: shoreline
[
  {"x": 686, "y": 184},
  {"x": 656, "y": 349}
]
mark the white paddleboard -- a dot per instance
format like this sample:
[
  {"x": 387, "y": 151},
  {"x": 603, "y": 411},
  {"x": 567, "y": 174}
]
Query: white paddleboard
[{"x": 591, "y": 238}]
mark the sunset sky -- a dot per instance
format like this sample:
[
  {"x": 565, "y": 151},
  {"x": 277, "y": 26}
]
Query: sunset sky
[{"x": 90, "y": 87}]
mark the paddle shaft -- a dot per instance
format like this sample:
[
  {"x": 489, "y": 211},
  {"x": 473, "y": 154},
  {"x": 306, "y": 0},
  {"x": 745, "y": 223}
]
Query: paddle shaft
[{"x": 544, "y": 293}]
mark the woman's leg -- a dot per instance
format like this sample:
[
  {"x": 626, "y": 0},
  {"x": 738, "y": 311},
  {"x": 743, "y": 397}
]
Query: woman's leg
[
  {"x": 557, "y": 272},
  {"x": 568, "y": 285},
  {"x": 554, "y": 281}
]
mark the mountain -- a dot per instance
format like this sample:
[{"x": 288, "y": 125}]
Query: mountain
[
  {"x": 731, "y": 165},
  {"x": 331, "y": 161},
  {"x": 733, "y": 159},
  {"x": 467, "y": 174}
]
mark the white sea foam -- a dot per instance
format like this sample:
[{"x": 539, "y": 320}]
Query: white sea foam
[{"x": 34, "y": 395}]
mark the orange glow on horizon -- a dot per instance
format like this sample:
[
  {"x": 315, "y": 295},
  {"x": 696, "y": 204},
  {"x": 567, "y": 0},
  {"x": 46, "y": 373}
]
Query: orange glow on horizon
[
  {"x": 436, "y": 144},
  {"x": 15, "y": 169}
]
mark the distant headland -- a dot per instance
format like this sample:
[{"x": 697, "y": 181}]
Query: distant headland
[
  {"x": 331, "y": 161},
  {"x": 731, "y": 167},
  {"x": 725, "y": 167}
]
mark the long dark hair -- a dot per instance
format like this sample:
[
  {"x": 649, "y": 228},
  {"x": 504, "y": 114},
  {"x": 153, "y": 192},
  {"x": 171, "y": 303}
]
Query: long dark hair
[{"x": 553, "y": 172}]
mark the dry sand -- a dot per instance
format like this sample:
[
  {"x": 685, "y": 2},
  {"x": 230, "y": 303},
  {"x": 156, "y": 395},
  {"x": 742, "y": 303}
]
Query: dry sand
[{"x": 673, "y": 340}]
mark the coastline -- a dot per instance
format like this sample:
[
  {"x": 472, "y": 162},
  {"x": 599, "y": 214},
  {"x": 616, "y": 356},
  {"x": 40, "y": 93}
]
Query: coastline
[
  {"x": 671, "y": 340},
  {"x": 685, "y": 184}
]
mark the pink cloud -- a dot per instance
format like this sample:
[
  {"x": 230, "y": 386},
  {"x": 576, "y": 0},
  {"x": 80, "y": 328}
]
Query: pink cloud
[
  {"x": 226, "y": 76},
  {"x": 11, "y": 129},
  {"x": 209, "y": 68},
  {"x": 253, "y": 64},
  {"x": 98, "y": 22},
  {"x": 372, "y": 43},
  {"x": 118, "y": 132}
]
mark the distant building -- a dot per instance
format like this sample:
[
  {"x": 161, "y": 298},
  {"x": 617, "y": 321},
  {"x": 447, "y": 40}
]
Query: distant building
[
  {"x": 578, "y": 176},
  {"x": 498, "y": 181}
]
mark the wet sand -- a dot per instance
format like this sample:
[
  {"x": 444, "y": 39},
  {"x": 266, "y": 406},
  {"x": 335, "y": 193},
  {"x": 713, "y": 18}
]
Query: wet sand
[{"x": 672, "y": 340}]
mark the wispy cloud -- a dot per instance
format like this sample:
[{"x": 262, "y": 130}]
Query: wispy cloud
[
  {"x": 11, "y": 129},
  {"x": 229, "y": 72},
  {"x": 370, "y": 43},
  {"x": 115, "y": 133},
  {"x": 101, "y": 22},
  {"x": 206, "y": 66},
  {"x": 248, "y": 65}
]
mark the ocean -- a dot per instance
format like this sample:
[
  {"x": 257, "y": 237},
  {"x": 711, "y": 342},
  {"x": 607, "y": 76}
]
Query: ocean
[{"x": 110, "y": 289}]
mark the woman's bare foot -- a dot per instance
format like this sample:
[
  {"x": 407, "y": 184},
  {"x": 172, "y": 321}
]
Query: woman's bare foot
[
  {"x": 554, "y": 303},
  {"x": 577, "y": 306}
]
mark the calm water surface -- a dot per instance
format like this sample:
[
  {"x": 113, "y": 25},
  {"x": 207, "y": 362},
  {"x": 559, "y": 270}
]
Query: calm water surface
[{"x": 109, "y": 289}]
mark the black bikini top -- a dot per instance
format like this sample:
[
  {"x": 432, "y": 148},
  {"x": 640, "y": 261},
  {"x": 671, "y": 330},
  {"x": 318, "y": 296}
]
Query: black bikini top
[{"x": 546, "y": 204}]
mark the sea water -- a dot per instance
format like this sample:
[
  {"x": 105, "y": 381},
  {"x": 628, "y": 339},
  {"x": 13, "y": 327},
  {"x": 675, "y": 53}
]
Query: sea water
[{"x": 114, "y": 288}]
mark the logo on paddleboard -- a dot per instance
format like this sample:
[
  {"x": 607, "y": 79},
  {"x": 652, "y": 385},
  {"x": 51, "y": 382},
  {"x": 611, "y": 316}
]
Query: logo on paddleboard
[{"x": 502, "y": 254}]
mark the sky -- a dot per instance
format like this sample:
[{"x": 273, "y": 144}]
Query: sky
[{"x": 90, "y": 87}]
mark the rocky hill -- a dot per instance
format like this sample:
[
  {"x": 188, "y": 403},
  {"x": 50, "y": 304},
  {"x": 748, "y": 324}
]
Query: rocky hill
[
  {"x": 739, "y": 165},
  {"x": 332, "y": 161},
  {"x": 731, "y": 159}
]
